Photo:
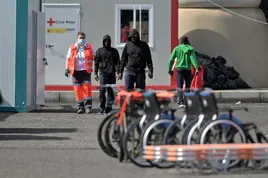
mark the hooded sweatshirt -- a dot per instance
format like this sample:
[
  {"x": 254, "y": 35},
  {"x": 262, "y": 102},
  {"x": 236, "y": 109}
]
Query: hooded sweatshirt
[
  {"x": 135, "y": 57},
  {"x": 185, "y": 55},
  {"x": 107, "y": 59}
]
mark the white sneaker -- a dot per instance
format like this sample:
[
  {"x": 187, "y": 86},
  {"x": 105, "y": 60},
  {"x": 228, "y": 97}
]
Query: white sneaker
[{"x": 181, "y": 106}]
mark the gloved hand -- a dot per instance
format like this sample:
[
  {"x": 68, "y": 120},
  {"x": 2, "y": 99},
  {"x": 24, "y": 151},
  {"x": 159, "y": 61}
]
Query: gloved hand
[
  {"x": 119, "y": 76},
  {"x": 150, "y": 74},
  {"x": 170, "y": 73},
  {"x": 67, "y": 72},
  {"x": 96, "y": 77}
]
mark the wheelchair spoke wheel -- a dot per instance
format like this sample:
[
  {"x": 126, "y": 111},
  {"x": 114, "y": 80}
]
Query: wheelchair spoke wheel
[{"x": 220, "y": 132}]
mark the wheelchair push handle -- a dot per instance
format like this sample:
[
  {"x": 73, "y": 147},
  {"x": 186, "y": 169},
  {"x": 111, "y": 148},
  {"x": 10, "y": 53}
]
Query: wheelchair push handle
[{"x": 113, "y": 86}]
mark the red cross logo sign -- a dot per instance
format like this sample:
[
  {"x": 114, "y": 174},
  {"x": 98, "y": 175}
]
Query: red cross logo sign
[{"x": 50, "y": 22}]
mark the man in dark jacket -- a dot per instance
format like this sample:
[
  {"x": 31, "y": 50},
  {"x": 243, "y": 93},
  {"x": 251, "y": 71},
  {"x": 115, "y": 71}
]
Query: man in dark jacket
[
  {"x": 135, "y": 57},
  {"x": 107, "y": 64}
]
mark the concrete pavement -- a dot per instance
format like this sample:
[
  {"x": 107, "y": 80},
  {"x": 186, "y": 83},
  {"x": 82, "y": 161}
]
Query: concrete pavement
[
  {"x": 56, "y": 142},
  {"x": 248, "y": 96}
]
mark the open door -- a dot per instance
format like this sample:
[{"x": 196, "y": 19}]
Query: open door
[{"x": 41, "y": 61}]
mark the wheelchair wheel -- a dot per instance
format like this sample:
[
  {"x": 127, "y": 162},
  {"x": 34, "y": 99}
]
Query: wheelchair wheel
[
  {"x": 172, "y": 136},
  {"x": 220, "y": 132},
  {"x": 191, "y": 133},
  {"x": 112, "y": 136},
  {"x": 133, "y": 147},
  {"x": 260, "y": 164},
  {"x": 120, "y": 148},
  {"x": 153, "y": 134},
  {"x": 104, "y": 125}
]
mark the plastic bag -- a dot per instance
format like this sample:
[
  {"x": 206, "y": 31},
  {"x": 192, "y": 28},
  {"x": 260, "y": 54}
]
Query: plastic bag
[{"x": 197, "y": 81}]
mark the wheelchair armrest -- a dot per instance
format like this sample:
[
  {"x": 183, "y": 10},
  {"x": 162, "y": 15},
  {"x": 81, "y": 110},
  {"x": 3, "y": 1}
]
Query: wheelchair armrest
[{"x": 228, "y": 109}]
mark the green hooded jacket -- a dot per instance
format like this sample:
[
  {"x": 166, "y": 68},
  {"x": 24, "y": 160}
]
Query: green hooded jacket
[{"x": 185, "y": 55}]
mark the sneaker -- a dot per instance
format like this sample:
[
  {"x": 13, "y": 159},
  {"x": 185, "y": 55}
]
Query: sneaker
[
  {"x": 88, "y": 110},
  {"x": 102, "y": 111},
  {"x": 181, "y": 105},
  {"x": 81, "y": 111},
  {"x": 108, "y": 110}
]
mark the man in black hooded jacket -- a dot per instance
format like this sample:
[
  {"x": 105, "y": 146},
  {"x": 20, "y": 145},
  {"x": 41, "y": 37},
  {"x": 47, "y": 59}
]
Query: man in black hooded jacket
[
  {"x": 107, "y": 61},
  {"x": 135, "y": 57}
]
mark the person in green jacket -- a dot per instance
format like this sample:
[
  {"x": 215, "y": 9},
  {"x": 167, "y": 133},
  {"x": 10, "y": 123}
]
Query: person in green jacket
[{"x": 185, "y": 55}]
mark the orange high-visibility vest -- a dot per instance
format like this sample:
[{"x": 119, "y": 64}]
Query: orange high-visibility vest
[{"x": 88, "y": 58}]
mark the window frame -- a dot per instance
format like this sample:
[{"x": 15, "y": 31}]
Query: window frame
[{"x": 134, "y": 7}]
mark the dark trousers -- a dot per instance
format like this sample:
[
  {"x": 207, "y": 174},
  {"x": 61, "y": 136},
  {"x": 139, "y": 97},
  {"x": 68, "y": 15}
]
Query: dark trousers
[
  {"x": 132, "y": 78},
  {"x": 183, "y": 75},
  {"x": 106, "y": 79},
  {"x": 82, "y": 88}
]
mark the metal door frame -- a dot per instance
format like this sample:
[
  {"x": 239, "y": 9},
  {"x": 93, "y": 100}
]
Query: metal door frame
[{"x": 34, "y": 57}]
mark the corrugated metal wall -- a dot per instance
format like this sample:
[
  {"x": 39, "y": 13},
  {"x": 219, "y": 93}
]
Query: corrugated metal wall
[
  {"x": 98, "y": 18},
  {"x": 7, "y": 51}
]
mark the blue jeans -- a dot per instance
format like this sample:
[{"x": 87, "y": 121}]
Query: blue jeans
[
  {"x": 137, "y": 78},
  {"x": 106, "y": 79},
  {"x": 183, "y": 75}
]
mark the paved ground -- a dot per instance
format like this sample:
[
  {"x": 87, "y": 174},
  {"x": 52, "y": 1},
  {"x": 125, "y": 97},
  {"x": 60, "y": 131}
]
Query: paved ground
[{"x": 55, "y": 142}]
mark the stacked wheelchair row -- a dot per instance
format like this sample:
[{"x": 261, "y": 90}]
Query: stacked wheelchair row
[{"x": 148, "y": 118}]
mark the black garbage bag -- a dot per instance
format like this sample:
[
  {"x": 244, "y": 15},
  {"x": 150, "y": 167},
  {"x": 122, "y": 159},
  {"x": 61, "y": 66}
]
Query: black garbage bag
[
  {"x": 206, "y": 63},
  {"x": 221, "y": 60},
  {"x": 210, "y": 75},
  {"x": 223, "y": 70},
  {"x": 232, "y": 73},
  {"x": 225, "y": 86},
  {"x": 206, "y": 84},
  {"x": 240, "y": 83},
  {"x": 202, "y": 59},
  {"x": 230, "y": 84},
  {"x": 217, "y": 75},
  {"x": 215, "y": 86},
  {"x": 221, "y": 79},
  {"x": 200, "y": 55},
  {"x": 213, "y": 64}
]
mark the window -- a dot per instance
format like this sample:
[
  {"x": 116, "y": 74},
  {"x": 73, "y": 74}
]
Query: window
[{"x": 138, "y": 17}]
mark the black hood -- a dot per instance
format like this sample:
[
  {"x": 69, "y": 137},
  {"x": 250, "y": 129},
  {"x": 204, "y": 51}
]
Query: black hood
[
  {"x": 106, "y": 37},
  {"x": 134, "y": 32}
]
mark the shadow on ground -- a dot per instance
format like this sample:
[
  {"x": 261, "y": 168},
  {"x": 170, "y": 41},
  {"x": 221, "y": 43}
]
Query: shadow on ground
[
  {"x": 60, "y": 109},
  {"x": 37, "y": 130},
  {"x": 30, "y": 137},
  {"x": 13, "y": 133},
  {"x": 5, "y": 115}
]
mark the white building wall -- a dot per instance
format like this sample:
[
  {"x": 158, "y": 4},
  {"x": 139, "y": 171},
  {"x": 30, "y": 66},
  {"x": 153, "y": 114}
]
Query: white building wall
[{"x": 7, "y": 51}]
